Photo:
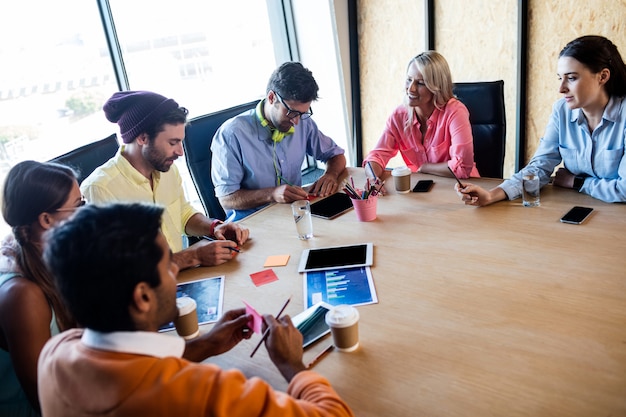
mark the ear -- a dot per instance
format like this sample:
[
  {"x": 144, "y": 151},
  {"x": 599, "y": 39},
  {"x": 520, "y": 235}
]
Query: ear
[
  {"x": 142, "y": 139},
  {"x": 605, "y": 75},
  {"x": 143, "y": 298},
  {"x": 271, "y": 97},
  {"x": 45, "y": 220}
]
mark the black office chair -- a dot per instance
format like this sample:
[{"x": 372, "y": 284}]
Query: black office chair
[
  {"x": 485, "y": 102},
  {"x": 89, "y": 157},
  {"x": 198, "y": 137}
]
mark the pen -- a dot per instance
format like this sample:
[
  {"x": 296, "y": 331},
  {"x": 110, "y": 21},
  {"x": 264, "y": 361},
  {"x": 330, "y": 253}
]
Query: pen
[
  {"x": 456, "y": 178},
  {"x": 267, "y": 331},
  {"x": 205, "y": 237},
  {"x": 319, "y": 356}
]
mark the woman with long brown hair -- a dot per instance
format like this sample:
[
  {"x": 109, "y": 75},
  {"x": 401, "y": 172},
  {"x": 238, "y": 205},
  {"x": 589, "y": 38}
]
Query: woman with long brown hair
[{"x": 36, "y": 197}]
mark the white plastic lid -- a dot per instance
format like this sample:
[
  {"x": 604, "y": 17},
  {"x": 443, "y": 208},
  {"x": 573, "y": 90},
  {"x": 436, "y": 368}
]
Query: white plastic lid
[
  {"x": 400, "y": 171},
  {"x": 342, "y": 316},
  {"x": 185, "y": 305}
]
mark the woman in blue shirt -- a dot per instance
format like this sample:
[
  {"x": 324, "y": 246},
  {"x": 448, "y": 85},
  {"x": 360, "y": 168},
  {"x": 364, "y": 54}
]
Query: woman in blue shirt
[
  {"x": 36, "y": 197},
  {"x": 587, "y": 128}
]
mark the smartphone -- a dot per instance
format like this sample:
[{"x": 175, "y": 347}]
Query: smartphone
[
  {"x": 576, "y": 215},
  {"x": 423, "y": 186}
]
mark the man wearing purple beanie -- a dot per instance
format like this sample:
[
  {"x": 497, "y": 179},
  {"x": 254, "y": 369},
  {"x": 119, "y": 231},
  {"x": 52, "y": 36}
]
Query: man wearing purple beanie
[{"x": 152, "y": 129}]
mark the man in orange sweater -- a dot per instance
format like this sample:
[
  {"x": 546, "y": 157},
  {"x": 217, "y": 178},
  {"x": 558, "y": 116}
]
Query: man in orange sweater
[{"x": 115, "y": 271}]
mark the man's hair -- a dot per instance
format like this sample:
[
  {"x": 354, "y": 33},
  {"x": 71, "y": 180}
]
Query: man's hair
[
  {"x": 173, "y": 117},
  {"x": 99, "y": 256},
  {"x": 293, "y": 82}
]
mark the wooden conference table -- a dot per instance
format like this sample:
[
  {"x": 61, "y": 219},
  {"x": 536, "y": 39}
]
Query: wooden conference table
[{"x": 492, "y": 311}]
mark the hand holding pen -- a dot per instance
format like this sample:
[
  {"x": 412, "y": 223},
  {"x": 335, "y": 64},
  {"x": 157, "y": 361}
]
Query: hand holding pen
[{"x": 287, "y": 192}]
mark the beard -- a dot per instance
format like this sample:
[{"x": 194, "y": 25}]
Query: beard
[{"x": 159, "y": 161}]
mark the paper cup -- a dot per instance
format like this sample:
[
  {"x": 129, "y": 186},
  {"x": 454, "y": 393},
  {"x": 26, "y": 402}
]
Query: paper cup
[
  {"x": 187, "y": 321},
  {"x": 402, "y": 179},
  {"x": 343, "y": 321}
]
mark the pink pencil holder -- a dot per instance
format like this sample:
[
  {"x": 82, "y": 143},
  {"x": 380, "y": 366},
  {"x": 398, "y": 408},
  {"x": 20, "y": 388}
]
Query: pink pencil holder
[{"x": 365, "y": 209}]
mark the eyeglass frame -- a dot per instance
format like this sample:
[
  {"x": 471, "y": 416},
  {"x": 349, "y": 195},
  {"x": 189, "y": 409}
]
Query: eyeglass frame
[
  {"x": 82, "y": 203},
  {"x": 303, "y": 116}
]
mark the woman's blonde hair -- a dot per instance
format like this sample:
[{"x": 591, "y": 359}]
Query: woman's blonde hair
[{"x": 437, "y": 78}]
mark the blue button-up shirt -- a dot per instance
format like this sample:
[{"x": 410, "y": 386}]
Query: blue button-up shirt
[
  {"x": 598, "y": 155},
  {"x": 245, "y": 157}
]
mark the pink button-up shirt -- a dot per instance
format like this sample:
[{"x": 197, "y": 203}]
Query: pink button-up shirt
[{"x": 448, "y": 139}]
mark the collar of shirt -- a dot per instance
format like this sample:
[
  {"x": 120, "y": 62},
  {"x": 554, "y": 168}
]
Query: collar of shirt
[
  {"x": 139, "y": 343},
  {"x": 611, "y": 111}
]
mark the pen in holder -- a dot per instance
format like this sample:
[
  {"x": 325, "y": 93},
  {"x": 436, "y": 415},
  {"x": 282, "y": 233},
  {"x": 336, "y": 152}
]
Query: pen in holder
[{"x": 364, "y": 200}]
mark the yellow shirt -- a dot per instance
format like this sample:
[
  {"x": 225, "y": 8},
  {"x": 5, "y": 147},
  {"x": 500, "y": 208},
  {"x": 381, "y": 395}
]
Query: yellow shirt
[{"x": 118, "y": 181}]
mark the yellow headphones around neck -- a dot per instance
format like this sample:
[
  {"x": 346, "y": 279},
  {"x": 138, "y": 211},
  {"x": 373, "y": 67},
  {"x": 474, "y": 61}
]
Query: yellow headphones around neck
[{"x": 277, "y": 135}]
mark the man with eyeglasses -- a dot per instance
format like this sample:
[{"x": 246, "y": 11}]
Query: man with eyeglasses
[{"x": 258, "y": 155}]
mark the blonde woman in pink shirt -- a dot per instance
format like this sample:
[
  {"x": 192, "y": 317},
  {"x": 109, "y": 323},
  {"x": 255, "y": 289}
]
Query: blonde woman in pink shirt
[{"x": 431, "y": 129}]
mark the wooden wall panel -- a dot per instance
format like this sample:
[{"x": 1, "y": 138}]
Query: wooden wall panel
[
  {"x": 391, "y": 32},
  {"x": 552, "y": 24},
  {"x": 479, "y": 41}
]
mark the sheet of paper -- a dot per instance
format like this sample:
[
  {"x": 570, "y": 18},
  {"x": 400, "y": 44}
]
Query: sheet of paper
[
  {"x": 256, "y": 322},
  {"x": 276, "y": 260},
  {"x": 263, "y": 277},
  {"x": 353, "y": 286}
]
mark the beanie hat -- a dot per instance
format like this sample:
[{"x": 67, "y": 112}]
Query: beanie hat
[{"x": 136, "y": 111}]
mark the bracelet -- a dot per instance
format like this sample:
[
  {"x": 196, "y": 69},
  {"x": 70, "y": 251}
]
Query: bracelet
[{"x": 214, "y": 224}]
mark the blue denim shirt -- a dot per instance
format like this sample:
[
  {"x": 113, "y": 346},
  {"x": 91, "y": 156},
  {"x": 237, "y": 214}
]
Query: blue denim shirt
[{"x": 598, "y": 155}]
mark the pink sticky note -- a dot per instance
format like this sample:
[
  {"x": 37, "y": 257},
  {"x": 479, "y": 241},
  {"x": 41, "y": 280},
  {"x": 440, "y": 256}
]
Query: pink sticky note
[
  {"x": 256, "y": 322},
  {"x": 263, "y": 277}
]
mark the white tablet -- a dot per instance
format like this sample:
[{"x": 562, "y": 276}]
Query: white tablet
[{"x": 320, "y": 259}]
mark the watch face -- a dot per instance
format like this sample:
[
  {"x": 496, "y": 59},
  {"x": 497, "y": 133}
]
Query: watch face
[{"x": 578, "y": 182}]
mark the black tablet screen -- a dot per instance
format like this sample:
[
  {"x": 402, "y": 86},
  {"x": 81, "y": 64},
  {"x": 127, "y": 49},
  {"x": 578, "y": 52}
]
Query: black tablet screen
[
  {"x": 339, "y": 256},
  {"x": 331, "y": 206}
]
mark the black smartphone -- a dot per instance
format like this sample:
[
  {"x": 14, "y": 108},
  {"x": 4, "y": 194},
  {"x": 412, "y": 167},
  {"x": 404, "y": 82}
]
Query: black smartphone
[
  {"x": 577, "y": 215},
  {"x": 423, "y": 186}
]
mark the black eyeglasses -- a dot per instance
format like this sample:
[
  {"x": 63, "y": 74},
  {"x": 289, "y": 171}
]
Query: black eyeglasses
[
  {"x": 80, "y": 204},
  {"x": 292, "y": 114}
]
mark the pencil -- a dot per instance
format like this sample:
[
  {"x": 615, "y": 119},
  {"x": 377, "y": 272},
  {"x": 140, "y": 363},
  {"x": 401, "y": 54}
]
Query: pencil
[
  {"x": 319, "y": 356},
  {"x": 205, "y": 237},
  {"x": 267, "y": 331},
  {"x": 280, "y": 177}
]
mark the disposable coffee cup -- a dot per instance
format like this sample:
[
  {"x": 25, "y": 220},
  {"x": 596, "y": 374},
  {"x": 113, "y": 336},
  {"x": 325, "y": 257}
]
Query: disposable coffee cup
[
  {"x": 402, "y": 179},
  {"x": 187, "y": 321},
  {"x": 343, "y": 321}
]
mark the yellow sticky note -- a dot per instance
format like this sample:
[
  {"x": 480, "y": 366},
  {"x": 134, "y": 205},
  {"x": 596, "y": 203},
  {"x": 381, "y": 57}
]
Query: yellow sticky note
[{"x": 276, "y": 260}]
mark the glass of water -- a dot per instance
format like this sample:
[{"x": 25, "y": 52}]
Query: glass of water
[
  {"x": 302, "y": 215},
  {"x": 530, "y": 187}
]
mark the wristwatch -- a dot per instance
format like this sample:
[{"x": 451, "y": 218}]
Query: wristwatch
[{"x": 579, "y": 180}]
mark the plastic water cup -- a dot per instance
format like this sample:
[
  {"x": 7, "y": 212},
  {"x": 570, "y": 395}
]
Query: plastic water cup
[
  {"x": 530, "y": 188},
  {"x": 301, "y": 210}
]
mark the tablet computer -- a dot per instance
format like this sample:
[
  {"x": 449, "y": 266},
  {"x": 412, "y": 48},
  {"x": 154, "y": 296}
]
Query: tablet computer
[
  {"x": 312, "y": 323},
  {"x": 320, "y": 259},
  {"x": 331, "y": 206}
]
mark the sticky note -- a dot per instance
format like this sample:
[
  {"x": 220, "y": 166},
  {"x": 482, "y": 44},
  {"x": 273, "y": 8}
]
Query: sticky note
[
  {"x": 263, "y": 277},
  {"x": 256, "y": 322},
  {"x": 276, "y": 260}
]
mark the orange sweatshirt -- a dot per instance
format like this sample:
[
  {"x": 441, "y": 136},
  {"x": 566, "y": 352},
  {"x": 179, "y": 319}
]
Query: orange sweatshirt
[{"x": 75, "y": 380}]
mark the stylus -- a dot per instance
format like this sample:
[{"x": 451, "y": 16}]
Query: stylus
[
  {"x": 267, "y": 331},
  {"x": 319, "y": 356},
  {"x": 456, "y": 178},
  {"x": 235, "y": 249}
]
